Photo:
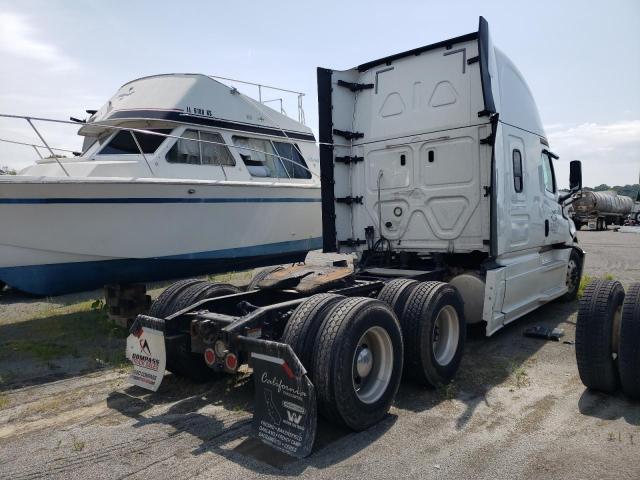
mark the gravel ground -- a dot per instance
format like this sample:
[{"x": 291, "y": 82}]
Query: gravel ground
[{"x": 516, "y": 410}]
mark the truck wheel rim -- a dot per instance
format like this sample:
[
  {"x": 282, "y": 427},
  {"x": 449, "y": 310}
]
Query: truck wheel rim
[
  {"x": 372, "y": 365},
  {"x": 446, "y": 332},
  {"x": 572, "y": 275}
]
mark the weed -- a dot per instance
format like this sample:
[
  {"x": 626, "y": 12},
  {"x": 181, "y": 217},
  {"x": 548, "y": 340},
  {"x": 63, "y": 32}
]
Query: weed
[
  {"x": 243, "y": 276},
  {"x": 98, "y": 304},
  {"x": 78, "y": 445},
  {"x": 520, "y": 375},
  {"x": 448, "y": 391},
  {"x": 4, "y": 401},
  {"x": 587, "y": 279}
]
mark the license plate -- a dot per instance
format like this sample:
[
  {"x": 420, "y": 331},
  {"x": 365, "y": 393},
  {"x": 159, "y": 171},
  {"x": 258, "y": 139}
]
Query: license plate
[{"x": 146, "y": 351}]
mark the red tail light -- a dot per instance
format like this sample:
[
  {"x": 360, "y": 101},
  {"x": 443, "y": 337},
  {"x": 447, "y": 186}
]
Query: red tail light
[
  {"x": 231, "y": 361},
  {"x": 209, "y": 356}
]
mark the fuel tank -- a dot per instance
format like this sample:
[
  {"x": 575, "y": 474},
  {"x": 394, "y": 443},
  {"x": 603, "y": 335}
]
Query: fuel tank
[{"x": 603, "y": 203}]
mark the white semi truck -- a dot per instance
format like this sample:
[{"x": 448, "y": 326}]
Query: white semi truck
[{"x": 436, "y": 172}]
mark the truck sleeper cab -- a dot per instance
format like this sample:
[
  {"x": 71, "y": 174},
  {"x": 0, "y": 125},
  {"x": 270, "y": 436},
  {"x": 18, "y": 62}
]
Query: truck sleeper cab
[{"x": 436, "y": 173}]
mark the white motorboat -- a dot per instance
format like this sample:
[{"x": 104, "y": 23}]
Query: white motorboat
[{"x": 180, "y": 175}]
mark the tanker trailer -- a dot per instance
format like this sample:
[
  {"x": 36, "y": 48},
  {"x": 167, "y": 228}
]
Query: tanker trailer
[{"x": 599, "y": 209}]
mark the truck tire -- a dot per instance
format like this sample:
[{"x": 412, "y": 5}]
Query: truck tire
[
  {"x": 261, "y": 275},
  {"x": 200, "y": 291},
  {"x": 637, "y": 217},
  {"x": 597, "y": 331},
  {"x": 629, "y": 355},
  {"x": 180, "y": 360},
  {"x": 396, "y": 292},
  {"x": 162, "y": 304},
  {"x": 358, "y": 362},
  {"x": 434, "y": 331},
  {"x": 303, "y": 325},
  {"x": 574, "y": 275}
]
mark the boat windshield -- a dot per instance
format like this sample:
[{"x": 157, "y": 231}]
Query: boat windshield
[{"x": 123, "y": 144}]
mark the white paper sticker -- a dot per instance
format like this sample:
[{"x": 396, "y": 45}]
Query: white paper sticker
[{"x": 146, "y": 351}]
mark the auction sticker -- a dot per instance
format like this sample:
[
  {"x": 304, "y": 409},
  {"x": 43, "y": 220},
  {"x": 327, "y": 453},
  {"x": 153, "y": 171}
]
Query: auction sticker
[
  {"x": 145, "y": 349},
  {"x": 285, "y": 407}
]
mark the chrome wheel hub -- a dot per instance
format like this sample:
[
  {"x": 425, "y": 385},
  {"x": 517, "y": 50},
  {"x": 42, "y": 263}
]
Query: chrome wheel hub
[
  {"x": 372, "y": 365},
  {"x": 364, "y": 362},
  {"x": 445, "y": 336}
]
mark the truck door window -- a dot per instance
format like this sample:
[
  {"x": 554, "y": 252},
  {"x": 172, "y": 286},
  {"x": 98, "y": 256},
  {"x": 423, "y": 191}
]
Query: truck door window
[
  {"x": 517, "y": 170},
  {"x": 548, "y": 174}
]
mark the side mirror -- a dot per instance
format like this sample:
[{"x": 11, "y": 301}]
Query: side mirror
[{"x": 575, "y": 175}]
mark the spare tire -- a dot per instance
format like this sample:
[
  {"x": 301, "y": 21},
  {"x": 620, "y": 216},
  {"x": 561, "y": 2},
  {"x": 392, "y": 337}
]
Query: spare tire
[
  {"x": 597, "y": 334},
  {"x": 629, "y": 355},
  {"x": 396, "y": 292},
  {"x": 434, "y": 331}
]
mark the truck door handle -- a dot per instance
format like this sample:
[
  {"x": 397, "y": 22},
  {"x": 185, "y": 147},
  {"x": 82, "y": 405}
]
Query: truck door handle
[{"x": 546, "y": 228}]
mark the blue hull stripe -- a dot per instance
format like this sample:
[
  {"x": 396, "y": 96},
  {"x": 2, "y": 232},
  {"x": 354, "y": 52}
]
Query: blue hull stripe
[
  {"x": 29, "y": 201},
  {"x": 59, "y": 278}
]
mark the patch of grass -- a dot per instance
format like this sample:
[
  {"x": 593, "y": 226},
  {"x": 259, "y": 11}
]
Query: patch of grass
[
  {"x": 6, "y": 377},
  {"x": 519, "y": 375},
  {"x": 78, "y": 445},
  {"x": 4, "y": 401},
  {"x": 80, "y": 330},
  {"x": 587, "y": 279},
  {"x": 448, "y": 391},
  {"x": 44, "y": 351},
  {"x": 232, "y": 277}
]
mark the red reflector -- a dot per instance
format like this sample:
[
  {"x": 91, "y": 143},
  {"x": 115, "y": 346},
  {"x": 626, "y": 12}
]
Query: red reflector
[
  {"x": 209, "y": 356},
  {"x": 231, "y": 361},
  {"x": 287, "y": 370}
]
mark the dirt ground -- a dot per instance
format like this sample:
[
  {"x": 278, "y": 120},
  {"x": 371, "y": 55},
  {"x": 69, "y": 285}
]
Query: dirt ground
[{"x": 517, "y": 408}]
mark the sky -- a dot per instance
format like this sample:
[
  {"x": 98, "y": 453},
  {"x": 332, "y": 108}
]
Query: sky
[{"x": 581, "y": 59}]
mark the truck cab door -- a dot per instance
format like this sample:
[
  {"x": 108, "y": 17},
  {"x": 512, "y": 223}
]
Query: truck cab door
[{"x": 554, "y": 224}]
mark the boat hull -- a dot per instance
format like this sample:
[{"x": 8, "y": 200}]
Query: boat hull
[{"x": 64, "y": 236}]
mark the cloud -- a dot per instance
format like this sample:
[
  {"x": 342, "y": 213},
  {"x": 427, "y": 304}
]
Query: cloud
[
  {"x": 610, "y": 153},
  {"x": 19, "y": 39}
]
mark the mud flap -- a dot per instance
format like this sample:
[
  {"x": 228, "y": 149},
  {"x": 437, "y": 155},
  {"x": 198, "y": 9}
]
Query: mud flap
[
  {"x": 285, "y": 406},
  {"x": 146, "y": 351}
]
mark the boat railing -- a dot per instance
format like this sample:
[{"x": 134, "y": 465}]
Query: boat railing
[
  {"x": 133, "y": 131},
  {"x": 261, "y": 88}
]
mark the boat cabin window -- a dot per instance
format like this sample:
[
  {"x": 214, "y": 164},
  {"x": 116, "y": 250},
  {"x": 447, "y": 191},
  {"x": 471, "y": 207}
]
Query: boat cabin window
[
  {"x": 123, "y": 143},
  {"x": 548, "y": 174},
  {"x": 265, "y": 158},
  {"x": 193, "y": 148},
  {"x": 295, "y": 166}
]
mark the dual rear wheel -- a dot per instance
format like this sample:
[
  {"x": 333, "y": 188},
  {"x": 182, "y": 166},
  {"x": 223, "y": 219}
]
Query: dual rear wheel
[{"x": 355, "y": 349}]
